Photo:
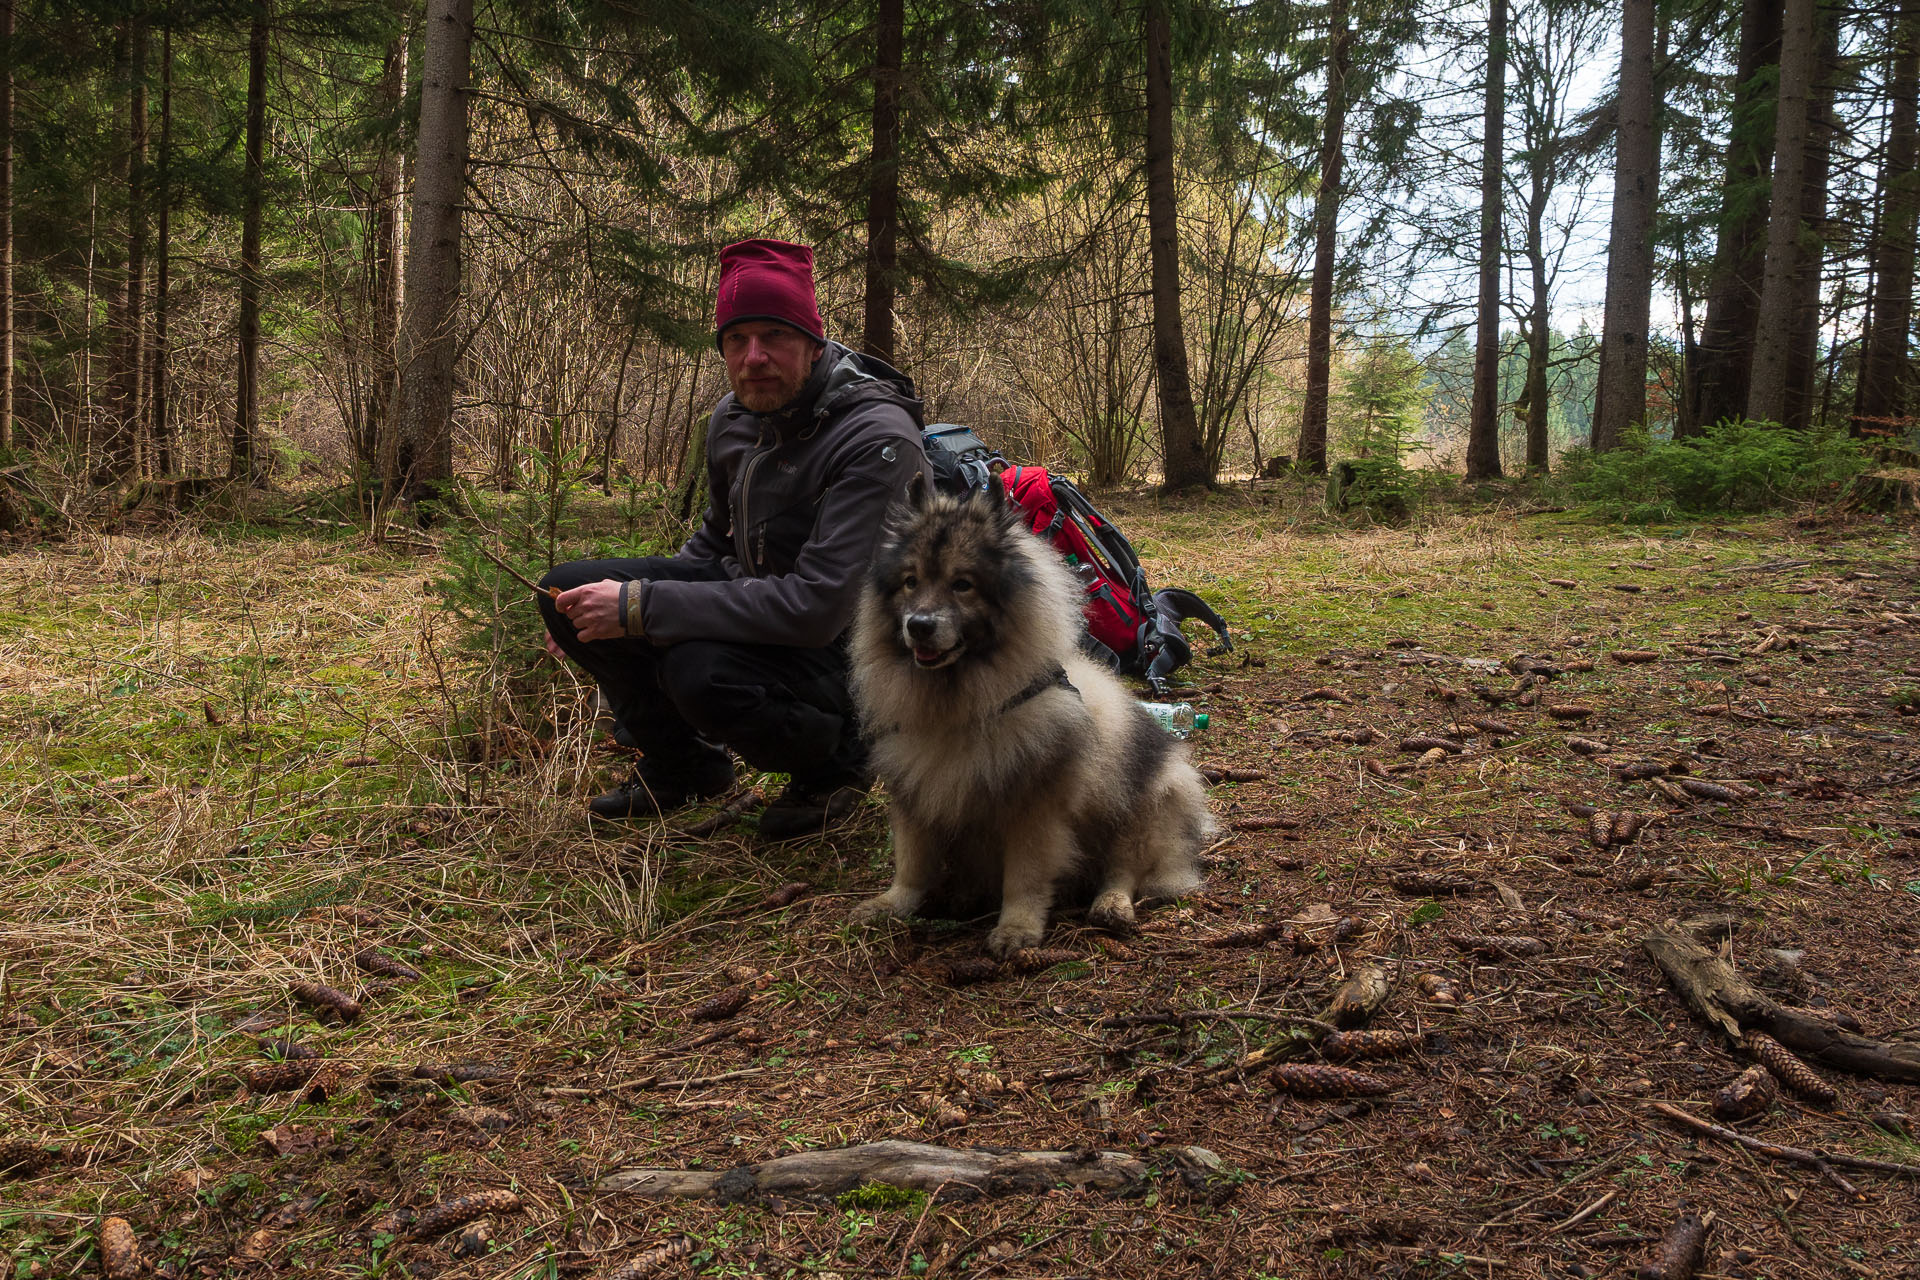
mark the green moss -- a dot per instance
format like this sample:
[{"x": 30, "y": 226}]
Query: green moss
[{"x": 881, "y": 1195}]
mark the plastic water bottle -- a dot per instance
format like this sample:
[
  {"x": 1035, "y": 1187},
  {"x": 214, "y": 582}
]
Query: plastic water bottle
[{"x": 1177, "y": 718}]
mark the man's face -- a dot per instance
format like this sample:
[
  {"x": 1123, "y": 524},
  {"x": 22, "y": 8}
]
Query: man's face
[{"x": 767, "y": 362}]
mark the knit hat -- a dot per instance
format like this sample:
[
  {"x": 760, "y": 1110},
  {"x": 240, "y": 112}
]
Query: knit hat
[{"x": 767, "y": 280}]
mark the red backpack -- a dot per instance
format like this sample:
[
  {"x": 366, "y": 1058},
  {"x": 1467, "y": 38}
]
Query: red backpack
[{"x": 1131, "y": 625}]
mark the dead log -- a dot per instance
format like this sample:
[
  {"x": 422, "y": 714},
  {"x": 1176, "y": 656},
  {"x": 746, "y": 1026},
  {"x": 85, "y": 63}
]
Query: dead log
[
  {"x": 946, "y": 1173},
  {"x": 1717, "y": 993}
]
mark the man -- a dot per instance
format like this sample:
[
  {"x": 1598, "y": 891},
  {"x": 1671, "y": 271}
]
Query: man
[{"x": 736, "y": 641}]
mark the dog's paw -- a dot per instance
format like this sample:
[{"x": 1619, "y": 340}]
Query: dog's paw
[
  {"x": 1006, "y": 939},
  {"x": 1112, "y": 911},
  {"x": 878, "y": 910}
]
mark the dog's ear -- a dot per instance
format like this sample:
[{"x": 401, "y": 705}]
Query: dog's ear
[
  {"x": 917, "y": 490},
  {"x": 995, "y": 494}
]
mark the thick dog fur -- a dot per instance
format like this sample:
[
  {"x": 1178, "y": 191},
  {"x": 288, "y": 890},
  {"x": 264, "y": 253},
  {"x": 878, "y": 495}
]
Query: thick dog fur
[{"x": 1069, "y": 791}]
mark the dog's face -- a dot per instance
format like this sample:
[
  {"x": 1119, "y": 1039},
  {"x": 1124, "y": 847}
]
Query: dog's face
[{"x": 948, "y": 572}]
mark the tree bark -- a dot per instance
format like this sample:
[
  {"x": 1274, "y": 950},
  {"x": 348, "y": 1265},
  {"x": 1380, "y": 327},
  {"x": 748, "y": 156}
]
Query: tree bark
[
  {"x": 942, "y": 1172},
  {"x": 1719, "y": 384},
  {"x": 245, "y": 461},
  {"x": 1622, "y": 391},
  {"x": 1184, "y": 454},
  {"x": 883, "y": 180},
  {"x": 1767, "y": 394},
  {"x": 1881, "y": 404},
  {"x": 1483, "y": 421},
  {"x": 428, "y": 344},
  {"x": 157, "y": 429},
  {"x": 389, "y": 222},
  {"x": 1312, "y": 451},
  {"x": 6, "y": 224},
  {"x": 1823, "y": 129}
]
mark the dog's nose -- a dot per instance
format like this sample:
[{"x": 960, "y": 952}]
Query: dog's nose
[{"x": 921, "y": 626}]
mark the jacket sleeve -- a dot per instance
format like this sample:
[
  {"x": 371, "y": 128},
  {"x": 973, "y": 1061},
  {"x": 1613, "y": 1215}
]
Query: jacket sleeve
[
  {"x": 809, "y": 607},
  {"x": 711, "y": 541}
]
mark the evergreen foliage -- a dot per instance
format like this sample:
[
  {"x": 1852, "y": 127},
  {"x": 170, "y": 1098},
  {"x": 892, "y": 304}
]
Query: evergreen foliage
[{"x": 1734, "y": 465}]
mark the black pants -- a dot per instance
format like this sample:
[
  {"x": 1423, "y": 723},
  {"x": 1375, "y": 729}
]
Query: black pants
[{"x": 783, "y": 710}]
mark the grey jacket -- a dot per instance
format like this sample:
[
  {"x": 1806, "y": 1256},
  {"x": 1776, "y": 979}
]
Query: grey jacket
[{"x": 796, "y": 499}]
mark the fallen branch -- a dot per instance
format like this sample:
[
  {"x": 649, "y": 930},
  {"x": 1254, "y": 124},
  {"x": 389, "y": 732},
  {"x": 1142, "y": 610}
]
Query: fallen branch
[
  {"x": 943, "y": 1172},
  {"x": 1717, "y": 993},
  {"x": 729, "y": 813},
  {"x": 1818, "y": 1160}
]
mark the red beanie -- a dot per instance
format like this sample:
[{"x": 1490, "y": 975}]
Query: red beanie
[{"x": 767, "y": 280}]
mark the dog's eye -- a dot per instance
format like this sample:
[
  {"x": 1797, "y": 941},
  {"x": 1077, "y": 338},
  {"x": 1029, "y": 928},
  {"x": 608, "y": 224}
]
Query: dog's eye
[
  {"x": 909, "y": 582},
  {"x": 962, "y": 584}
]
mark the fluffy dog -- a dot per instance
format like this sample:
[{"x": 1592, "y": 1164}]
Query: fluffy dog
[{"x": 1018, "y": 771}]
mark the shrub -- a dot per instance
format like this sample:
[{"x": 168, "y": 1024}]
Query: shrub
[{"x": 1734, "y": 465}]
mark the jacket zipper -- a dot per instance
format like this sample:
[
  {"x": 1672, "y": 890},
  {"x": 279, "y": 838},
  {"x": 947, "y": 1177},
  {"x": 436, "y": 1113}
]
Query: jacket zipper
[{"x": 741, "y": 522}]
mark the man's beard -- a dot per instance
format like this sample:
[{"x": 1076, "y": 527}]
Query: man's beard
[{"x": 768, "y": 397}]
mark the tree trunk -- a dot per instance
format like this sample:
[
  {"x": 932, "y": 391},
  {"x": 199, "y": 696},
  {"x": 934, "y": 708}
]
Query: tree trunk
[
  {"x": 1622, "y": 391},
  {"x": 1538, "y": 336},
  {"x": 6, "y": 224},
  {"x": 1767, "y": 395},
  {"x": 1312, "y": 452},
  {"x": 388, "y": 222},
  {"x": 1881, "y": 403},
  {"x": 1719, "y": 387},
  {"x": 1823, "y": 129},
  {"x": 158, "y": 430},
  {"x": 1483, "y": 423},
  {"x": 245, "y": 461},
  {"x": 1184, "y": 454},
  {"x": 423, "y": 458},
  {"x": 883, "y": 180},
  {"x": 118, "y": 446}
]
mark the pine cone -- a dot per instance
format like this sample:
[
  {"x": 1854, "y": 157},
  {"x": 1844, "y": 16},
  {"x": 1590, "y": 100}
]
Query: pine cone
[
  {"x": 964, "y": 971},
  {"x": 1497, "y": 728},
  {"x": 1035, "y": 959},
  {"x": 1789, "y": 1070},
  {"x": 1749, "y": 1094},
  {"x": 1639, "y": 771},
  {"x": 1425, "y": 885},
  {"x": 288, "y": 1050},
  {"x": 1437, "y": 989},
  {"x": 1626, "y": 827},
  {"x": 325, "y": 999},
  {"x": 1681, "y": 1252},
  {"x": 119, "y": 1250},
  {"x": 384, "y": 965},
  {"x": 1587, "y": 746},
  {"x": 459, "y": 1072},
  {"x": 1709, "y": 790},
  {"x": 785, "y": 896},
  {"x": 24, "y": 1157},
  {"x": 1569, "y": 711},
  {"x": 1422, "y": 742},
  {"x": 724, "y": 1005},
  {"x": 1600, "y": 829},
  {"x": 279, "y": 1077},
  {"x": 1310, "y": 1080},
  {"x": 1499, "y": 946},
  {"x": 459, "y": 1211},
  {"x": 650, "y": 1262},
  {"x": 1634, "y": 656},
  {"x": 1350, "y": 1046},
  {"x": 1251, "y": 936}
]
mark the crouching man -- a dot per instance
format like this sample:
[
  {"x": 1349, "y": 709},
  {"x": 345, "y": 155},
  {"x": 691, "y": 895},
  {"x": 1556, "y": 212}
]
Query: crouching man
[{"x": 735, "y": 644}]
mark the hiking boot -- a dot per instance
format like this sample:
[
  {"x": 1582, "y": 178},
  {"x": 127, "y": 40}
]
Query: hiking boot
[
  {"x": 810, "y": 809},
  {"x": 653, "y": 791}
]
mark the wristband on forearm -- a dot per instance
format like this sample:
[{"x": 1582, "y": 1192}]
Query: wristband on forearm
[{"x": 631, "y": 620}]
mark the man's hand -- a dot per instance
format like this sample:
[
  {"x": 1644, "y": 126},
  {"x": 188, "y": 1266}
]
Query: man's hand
[{"x": 594, "y": 610}]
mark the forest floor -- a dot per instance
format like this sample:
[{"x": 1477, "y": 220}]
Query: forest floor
[{"x": 233, "y": 762}]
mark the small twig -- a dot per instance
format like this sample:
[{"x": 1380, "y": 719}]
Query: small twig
[
  {"x": 1820, "y": 1161},
  {"x": 653, "y": 1082},
  {"x": 1184, "y": 1016},
  {"x": 1584, "y": 1214}
]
